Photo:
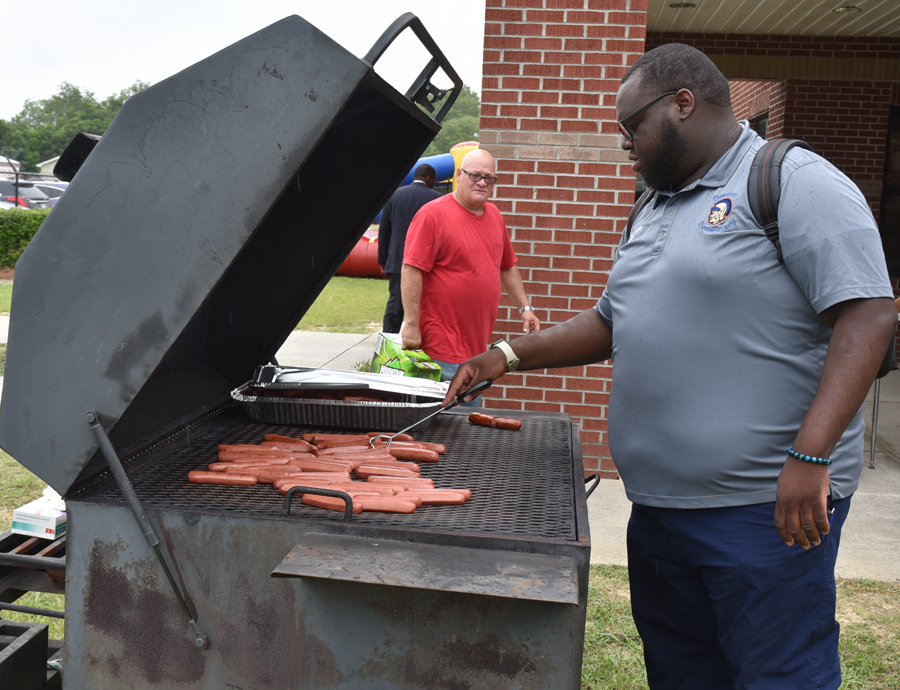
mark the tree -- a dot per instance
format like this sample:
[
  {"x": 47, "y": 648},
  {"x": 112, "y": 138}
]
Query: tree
[
  {"x": 461, "y": 123},
  {"x": 44, "y": 128}
]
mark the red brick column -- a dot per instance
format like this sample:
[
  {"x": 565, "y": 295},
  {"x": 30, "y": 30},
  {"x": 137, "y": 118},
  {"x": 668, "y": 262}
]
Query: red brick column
[{"x": 551, "y": 72}]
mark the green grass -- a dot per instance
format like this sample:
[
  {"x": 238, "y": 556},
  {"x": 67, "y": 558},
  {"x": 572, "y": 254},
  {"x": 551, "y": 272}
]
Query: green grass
[
  {"x": 868, "y": 611},
  {"x": 348, "y": 305},
  {"x": 613, "y": 654}
]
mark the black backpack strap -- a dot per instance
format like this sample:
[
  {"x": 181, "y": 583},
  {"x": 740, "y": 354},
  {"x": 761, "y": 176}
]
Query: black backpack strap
[
  {"x": 642, "y": 201},
  {"x": 764, "y": 185}
]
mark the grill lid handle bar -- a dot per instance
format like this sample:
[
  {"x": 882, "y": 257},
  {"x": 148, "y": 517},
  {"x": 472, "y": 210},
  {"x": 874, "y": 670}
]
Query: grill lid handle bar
[
  {"x": 421, "y": 91},
  {"x": 348, "y": 501},
  {"x": 201, "y": 640},
  {"x": 593, "y": 478}
]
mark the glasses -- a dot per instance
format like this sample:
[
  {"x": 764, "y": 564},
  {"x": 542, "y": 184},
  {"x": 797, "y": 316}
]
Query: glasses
[
  {"x": 623, "y": 128},
  {"x": 476, "y": 178}
]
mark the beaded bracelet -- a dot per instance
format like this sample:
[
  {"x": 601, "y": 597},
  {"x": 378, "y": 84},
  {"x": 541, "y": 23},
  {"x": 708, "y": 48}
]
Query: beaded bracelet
[{"x": 808, "y": 458}]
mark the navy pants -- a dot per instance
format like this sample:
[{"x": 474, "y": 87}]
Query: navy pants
[
  {"x": 722, "y": 603},
  {"x": 393, "y": 311}
]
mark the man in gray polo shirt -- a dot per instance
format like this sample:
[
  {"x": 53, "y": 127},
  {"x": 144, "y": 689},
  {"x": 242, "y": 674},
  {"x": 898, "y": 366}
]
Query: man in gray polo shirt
[{"x": 738, "y": 386}]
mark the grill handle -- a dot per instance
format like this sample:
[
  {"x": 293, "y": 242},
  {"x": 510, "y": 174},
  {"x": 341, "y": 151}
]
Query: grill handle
[
  {"x": 348, "y": 502},
  {"x": 593, "y": 478},
  {"x": 421, "y": 91}
]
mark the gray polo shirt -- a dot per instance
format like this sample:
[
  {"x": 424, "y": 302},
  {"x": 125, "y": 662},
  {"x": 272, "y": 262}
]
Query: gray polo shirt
[{"x": 717, "y": 347}]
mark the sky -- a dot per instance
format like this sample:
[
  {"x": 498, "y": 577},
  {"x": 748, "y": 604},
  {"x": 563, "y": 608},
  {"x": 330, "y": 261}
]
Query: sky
[{"x": 105, "y": 46}]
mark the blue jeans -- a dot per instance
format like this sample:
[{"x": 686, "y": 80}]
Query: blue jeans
[
  {"x": 448, "y": 370},
  {"x": 722, "y": 604}
]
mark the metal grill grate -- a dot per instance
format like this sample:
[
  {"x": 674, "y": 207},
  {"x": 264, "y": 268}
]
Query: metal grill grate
[{"x": 521, "y": 481}]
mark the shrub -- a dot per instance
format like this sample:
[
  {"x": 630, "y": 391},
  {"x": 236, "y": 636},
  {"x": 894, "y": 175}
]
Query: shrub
[{"x": 17, "y": 227}]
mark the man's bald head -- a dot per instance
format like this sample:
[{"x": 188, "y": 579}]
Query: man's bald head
[
  {"x": 474, "y": 195},
  {"x": 478, "y": 157}
]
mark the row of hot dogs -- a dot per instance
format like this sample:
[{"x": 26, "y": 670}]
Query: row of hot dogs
[{"x": 387, "y": 477}]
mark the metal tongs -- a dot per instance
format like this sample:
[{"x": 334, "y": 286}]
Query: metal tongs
[{"x": 458, "y": 400}]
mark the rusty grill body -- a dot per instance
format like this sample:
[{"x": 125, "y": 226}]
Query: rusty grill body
[
  {"x": 196, "y": 234},
  {"x": 328, "y": 629}
]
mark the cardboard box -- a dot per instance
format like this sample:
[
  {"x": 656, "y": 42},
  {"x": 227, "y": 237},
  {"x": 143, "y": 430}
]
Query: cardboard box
[{"x": 44, "y": 517}]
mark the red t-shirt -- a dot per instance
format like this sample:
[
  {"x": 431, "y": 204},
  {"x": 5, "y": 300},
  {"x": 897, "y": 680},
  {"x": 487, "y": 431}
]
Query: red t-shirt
[{"x": 461, "y": 256}]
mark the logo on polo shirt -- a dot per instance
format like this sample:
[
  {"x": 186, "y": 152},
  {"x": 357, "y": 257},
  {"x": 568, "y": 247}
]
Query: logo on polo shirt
[
  {"x": 718, "y": 219},
  {"x": 719, "y": 212}
]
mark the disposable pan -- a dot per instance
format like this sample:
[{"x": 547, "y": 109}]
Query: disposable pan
[{"x": 363, "y": 415}]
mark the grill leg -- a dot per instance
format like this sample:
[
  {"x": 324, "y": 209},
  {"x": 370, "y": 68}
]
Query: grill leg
[{"x": 874, "y": 423}]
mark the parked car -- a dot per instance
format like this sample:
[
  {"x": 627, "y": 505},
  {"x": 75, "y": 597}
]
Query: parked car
[
  {"x": 29, "y": 195},
  {"x": 53, "y": 190}
]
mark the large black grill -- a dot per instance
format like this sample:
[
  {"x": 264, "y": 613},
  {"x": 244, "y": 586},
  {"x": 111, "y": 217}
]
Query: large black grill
[{"x": 521, "y": 481}]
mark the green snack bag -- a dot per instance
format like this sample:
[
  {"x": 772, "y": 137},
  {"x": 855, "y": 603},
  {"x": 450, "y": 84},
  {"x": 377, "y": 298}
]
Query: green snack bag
[{"x": 390, "y": 358}]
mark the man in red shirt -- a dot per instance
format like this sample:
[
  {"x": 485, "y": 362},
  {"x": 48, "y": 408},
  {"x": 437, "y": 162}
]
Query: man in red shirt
[{"x": 457, "y": 258}]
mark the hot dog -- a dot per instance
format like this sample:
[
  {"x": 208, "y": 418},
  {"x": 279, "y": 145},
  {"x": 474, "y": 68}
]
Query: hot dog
[
  {"x": 386, "y": 505},
  {"x": 330, "y": 503},
  {"x": 392, "y": 463},
  {"x": 354, "y": 451},
  {"x": 230, "y": 479},
  {"x": 362, "y": 442},
  {"x": 495, "y": 422},
  {"x": 264, "y": 475},
  {"x": 285, "y": 485},
  {"x": 438, "y": 448},
  {"x": 364, "y": 472},
  {"x": 289, "y": 439},
  {"x": 257, "y": 460},
  {"x": 415, "y": 454},
  {"x": 435, "y": 498},
  {"x": 422, "y": 482},
  {"x": 320, "y": 466},
  {"x": 240, "y": 466},
  {"x": 285, "y": 448},
  {"x": 397, "y": 437},
  {"x": 228, "y": 456}
]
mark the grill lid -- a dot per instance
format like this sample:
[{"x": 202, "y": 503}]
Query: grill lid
[{"x": 197, "y": 233}]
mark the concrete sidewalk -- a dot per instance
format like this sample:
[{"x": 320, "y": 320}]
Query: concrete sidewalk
[{"x": 870, "y": 545}]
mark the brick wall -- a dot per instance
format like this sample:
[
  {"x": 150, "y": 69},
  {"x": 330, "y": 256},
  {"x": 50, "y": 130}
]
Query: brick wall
[
  {"x": 750, "y": 98},
  {"x": 551, "y": 72},
  {"x": 847, "y": 123}
]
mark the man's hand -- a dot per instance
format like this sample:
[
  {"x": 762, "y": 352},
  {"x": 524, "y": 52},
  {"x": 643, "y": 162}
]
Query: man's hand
[
  {"x": 801, "y": 503},
  {"x": 531, "y": 323},
  {"x": 410, "y": 337},
  {"x": 489, "y": 365}
]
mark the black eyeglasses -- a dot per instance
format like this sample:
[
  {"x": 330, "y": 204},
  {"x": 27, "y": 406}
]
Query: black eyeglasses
[
  {"x": 623, "y": 128},
  {"x": 476, "y": 178}
]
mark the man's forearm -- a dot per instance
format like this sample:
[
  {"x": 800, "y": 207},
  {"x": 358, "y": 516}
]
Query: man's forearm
[
  {"x": 411, "y": 293},
  {"x": 511, "y": 282},
  {"x": 862, "y": 329},
  {"x": 583, "y": 339}
]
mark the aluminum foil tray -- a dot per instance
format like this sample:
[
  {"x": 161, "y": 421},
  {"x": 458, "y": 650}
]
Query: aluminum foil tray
[{"x": 413, "y": 400}]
